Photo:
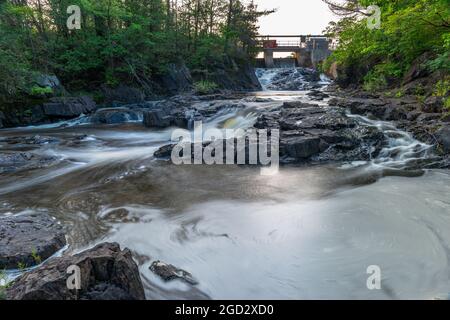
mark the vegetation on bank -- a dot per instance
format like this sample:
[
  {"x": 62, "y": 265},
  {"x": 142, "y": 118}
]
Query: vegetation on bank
[
  {"x": 130, "y": 41},
  {"x": 412, "y": 33}
]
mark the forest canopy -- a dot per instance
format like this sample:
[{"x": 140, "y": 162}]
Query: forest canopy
[
  {"x": 380, "y": 56},
  {"x": 119, "y": 40}
]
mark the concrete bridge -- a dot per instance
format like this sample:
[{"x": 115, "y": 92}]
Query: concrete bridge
[{"x": 308, "y": 50}]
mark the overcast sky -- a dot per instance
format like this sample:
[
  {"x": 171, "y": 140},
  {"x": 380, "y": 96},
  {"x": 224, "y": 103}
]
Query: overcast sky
[{"x": 295, "y": 17}]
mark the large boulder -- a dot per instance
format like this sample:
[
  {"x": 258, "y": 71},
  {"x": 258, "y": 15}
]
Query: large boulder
[
  {"x": 106, "y": 273},
  {"x": 433, "y": 104},
  {"x": 61, "y": 108},
  {"x": 301, "y": 147},
  {"x": 27, "y": 240},
  {"x": 157, "y": 118},
  {"x": 116, "y": 115}
]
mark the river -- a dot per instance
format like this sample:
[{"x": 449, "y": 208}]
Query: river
[{"x": 308, "y": 232}]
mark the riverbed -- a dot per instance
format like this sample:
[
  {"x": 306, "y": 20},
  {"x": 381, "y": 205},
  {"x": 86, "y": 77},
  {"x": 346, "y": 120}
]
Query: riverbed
[{"x": 308, "y": 232}]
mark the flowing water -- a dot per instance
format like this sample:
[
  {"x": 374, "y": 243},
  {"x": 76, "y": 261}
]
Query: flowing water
[{"x": 305, "y": 233}]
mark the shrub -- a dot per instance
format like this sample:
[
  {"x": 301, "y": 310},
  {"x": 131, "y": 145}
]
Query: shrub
[
  {"x": 442, "y": 88},
  {"x": 374, "y": 82},
  {"x": 205, "y": 87},
  {"x": 39, "y": 91}
]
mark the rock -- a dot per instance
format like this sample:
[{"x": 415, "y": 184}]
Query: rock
[
  {"x": 123, "y": 95},
  {"x": 168, "y": 272},
  {"x": 295, "y": 79},
  {"x": 31, "y": 140},
  {"x": 164, "y": 152},
  {"x": 301, "y": 147},
  {"x": 15, "y": 161},
  {"x": 418, "y": 68},
  {"x": 231, "y": 75},
  {"x": 2, "y": 118},
  {"x": 27, "y": 240},
  {"x": 177, "y": 79},
  {"x": 317, "y": 95},
  {"x": 443, "y": 137},
  {"x": 116, "y": 115},
  {"x": 413, "y": 115},
  {"x": 395, "y": 113},
  {"x": 425, "y": 117},
  {"x": 107, "y": 273},
  {"x": 157, "y": 118},
  {"x": 433, "y": 105},
  {"x": 48, "y": 81},
  {"x": 311, "y": 133},
  {"x": 66, "y": 108}
]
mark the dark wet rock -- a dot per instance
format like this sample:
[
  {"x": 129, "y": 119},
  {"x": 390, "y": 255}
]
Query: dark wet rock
[
  {"x": 123, "y": 95},
  {"x": 168, "y": 272},
  {"x": 433, "y": 105},
  {"x": 395, "y": 113},
  {"x": 106, "y": 271},
  {"x": 177, "y": 78},
  {"x": 413, "y": 115},
  {"x": 295, "y": 79},
  {"x": 443, "y": 136},
  {"x": 425, "y": 117},
  {"x": 317, "y": 95},
  {"x": 361, "y": 106},
  {"x": 310, "y": 133},
  {"x": 157, "y": 118},
  {"x": 2, "y": 118},
  {"x": 61, "y": 108},
  {"x": 231, "y": 75},
  {"x": 301, "y": 147},
  {"x": 15, "y": 161},
  {"x": 116, "y": 115},
  {"x": 164, "y": 152},
  {"x": 31, "y": 140},
  {"x": 27, "y": 240}
]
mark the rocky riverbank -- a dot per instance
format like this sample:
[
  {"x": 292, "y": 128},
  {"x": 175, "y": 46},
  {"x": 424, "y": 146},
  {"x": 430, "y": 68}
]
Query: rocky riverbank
[
  {"x": 51, "y": 102},
  {"x": 428, "y": 121},
  {"x": 30, "y": 243}
]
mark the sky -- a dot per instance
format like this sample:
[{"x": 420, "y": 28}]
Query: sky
[{"x": 294, "y": 17}]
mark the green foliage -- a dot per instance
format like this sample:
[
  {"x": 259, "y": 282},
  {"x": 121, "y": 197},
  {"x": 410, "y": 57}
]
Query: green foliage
[
  {"x": 447, "y": 103},
  {"x": 374, "y": 81},
  {"x": 205, "y": 87},
  {"x": 119, "y": 41},
  {"x": 21, "y": 266},
  {"x": 442, "y": 88},
  {"x": 409, "y": 28},
  {"x": 39, "y": 91},
  {"x": 3, "y": 285},
  {"x": 37, "y": 259}
]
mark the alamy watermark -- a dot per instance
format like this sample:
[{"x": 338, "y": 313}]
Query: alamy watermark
[
  {"x": 374, "y": 20},
  {"x": 74, "y": 20},
  {"x": 374, "y": 280},
  {"x": 74, "y": 280},
  {"x": 227, "y": 147}
]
